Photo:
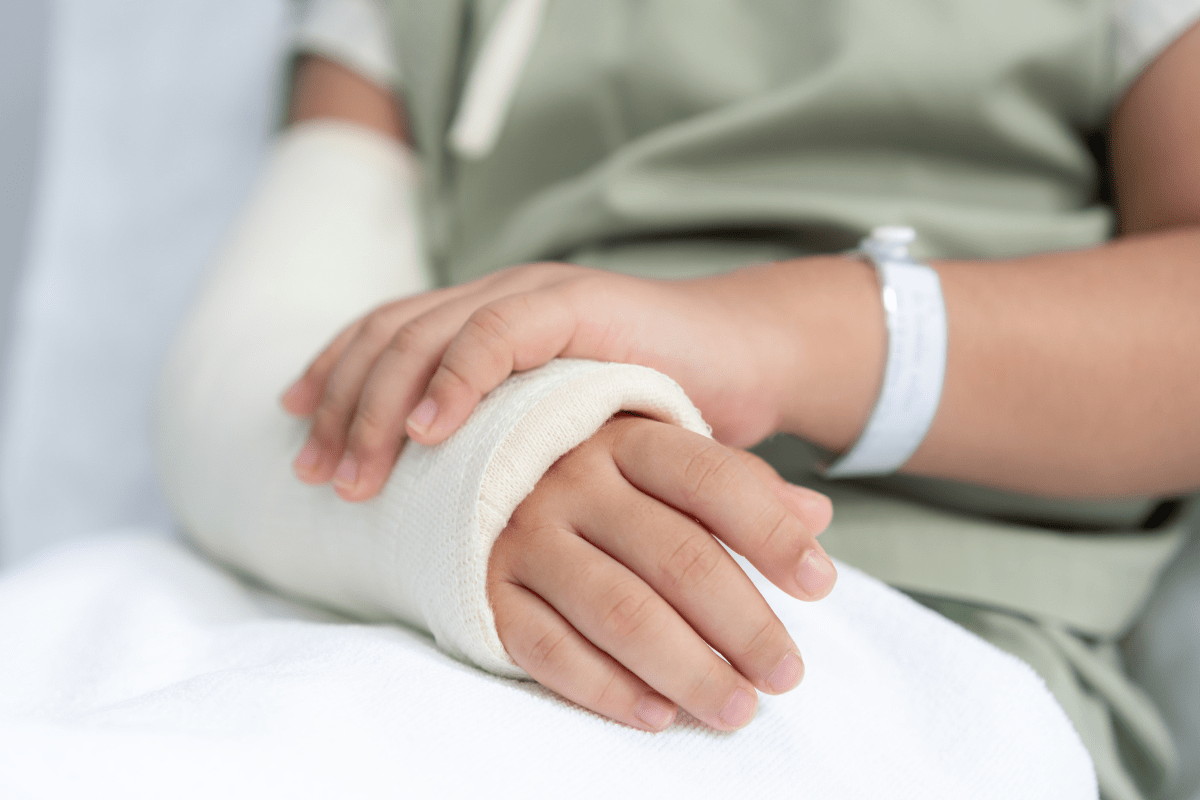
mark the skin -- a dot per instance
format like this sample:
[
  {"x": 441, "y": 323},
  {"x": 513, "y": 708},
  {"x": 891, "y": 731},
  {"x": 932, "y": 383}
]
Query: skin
[
  {"x": 610, "y": 584},
  {"x": 1068, "y": 374},
  {"x": 610, "y": 588}
]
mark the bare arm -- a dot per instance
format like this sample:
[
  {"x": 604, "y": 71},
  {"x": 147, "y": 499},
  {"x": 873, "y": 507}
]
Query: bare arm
[
  {"x": 573, "y": 612},
  {"x": 1074, "y": 374},
  {"x": 1068, "y": 374},
  {"x": 324, "y": 89}
]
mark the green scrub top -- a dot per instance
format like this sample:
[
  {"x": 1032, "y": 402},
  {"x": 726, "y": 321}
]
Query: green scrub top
[{"x": 675, "y": 138}]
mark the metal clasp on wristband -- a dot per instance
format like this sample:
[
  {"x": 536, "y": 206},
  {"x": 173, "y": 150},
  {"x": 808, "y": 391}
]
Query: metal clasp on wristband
[{"x": 916, "y": 360}]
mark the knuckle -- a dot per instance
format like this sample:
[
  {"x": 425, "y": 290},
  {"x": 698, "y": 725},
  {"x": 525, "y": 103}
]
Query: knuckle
[
  {"x": 451, "y": 374},
  {"x": 488, "y": 322},
  {"x": 368, "y": 431},
  {"x": 411, "y": 338},
  {"x": 564, "y": 472},
  {"x": 763, "y": 642},
  {"x": 339, "y": 399},
  {"x": 328, "y": 422},
  {"x": 547, "y": 655},
  {"x": 378, "y": 328},
  {"x": 526, "y": 531},
  {"x": 706, "y": 684},
  {"x": 630, "y": 613},
  {"x": 709, "y": 472},
  {"x": 776, "y": 529},
  {"x": 486, "y": 333},
  {"x": 692, "y": 563},
  {"x": 525, "y": 542},
  {"x": 602, "y": 695}
]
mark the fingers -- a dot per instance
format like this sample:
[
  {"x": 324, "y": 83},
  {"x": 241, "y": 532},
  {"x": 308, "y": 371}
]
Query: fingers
[
  {"x": 322, "y": 453},
  {"x": 709, "y": 482},
  {"x": 510, "y": 334},
  {"x": 619, "y": 600},
  {"x": 622, "y": 616},
  {"x": 302, "y": 398},
  {"x": 813, "y": 509},
  {"x": 558, "y": 657},
  {"x": 358, "y": 426},
  {"x": 369, "y": 378},
  {"x": 305, "y": 394},
  {"x": 689, "y": 569}
]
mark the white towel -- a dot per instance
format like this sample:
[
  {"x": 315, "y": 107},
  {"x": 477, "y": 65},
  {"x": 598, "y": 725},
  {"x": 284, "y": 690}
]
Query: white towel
[{"x": 131, "y": 669}]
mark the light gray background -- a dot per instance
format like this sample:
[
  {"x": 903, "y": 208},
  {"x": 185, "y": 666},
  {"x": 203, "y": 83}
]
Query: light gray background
[{"x": 23, "y": 29}]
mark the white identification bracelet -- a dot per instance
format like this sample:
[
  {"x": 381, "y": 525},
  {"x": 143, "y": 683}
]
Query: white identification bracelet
[{"x": 916, "y": 360}]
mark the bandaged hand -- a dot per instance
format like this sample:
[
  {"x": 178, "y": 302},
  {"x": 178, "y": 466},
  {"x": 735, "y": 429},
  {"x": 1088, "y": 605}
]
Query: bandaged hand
[
  {"x": 429, "y": 359},
  {"x": 328, "y": 234},
  {"x": 609, "y": 587}
]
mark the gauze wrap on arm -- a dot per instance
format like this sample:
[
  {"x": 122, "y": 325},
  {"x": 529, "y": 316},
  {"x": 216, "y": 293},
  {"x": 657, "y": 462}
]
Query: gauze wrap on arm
[{"x": 330, "y": 234}]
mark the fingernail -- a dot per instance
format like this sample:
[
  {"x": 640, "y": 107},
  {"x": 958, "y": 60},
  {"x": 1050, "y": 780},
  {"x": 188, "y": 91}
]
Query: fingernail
[
  {"x": 347, "y": 472},
  {"x": 422, "y": 416},
  {"x": 816, "y": 574},
  {"x": 308, "y": 456},
  {"x": 654, "y": 713},
  {"x": 739, "y": 710},
  {"x": 787, "y": 675}
]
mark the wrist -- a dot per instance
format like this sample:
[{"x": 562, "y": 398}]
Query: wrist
[{"x": 836, "y": 329}]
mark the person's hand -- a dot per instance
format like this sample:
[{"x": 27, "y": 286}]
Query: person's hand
[
  {"x": 418, "y": 366},
  {"x": 609, "y": 587}
]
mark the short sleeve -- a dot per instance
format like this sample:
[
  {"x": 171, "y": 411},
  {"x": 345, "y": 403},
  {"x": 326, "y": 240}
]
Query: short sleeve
[
  {"x": 352, "y": 32},
  {"x": 1144, "y": 28}
]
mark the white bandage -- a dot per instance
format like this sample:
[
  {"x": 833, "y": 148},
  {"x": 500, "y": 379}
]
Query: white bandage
[
  {"x": 329, "y": 235},
  {"x": 916, "y": 362}
]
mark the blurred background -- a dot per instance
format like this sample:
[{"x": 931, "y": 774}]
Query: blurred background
[
  {"x": 23, "y": 43},
  {"x": 130, "y": 133}
]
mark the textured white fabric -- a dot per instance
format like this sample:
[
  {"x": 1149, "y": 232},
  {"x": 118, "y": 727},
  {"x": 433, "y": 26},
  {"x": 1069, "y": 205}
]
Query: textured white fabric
[
  {"x": 326, "y": 238},
  {"x": 1144, "y": 28},
  {"x": 352, "y": 32},
  {"x": 134, "y": 670}
]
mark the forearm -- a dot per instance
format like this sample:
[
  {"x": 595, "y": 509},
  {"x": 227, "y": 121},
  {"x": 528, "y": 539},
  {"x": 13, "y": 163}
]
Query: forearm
[
  {"x": 329, "y": 232},
  {"x": 324, "y": 89},
  {"x": 1067, "y": 374}
]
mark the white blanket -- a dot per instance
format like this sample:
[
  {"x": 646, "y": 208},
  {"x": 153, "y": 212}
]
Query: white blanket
[{"x": 132, "y": 669}]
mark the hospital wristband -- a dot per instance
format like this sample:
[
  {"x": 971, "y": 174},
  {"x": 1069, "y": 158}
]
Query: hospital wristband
[{"x": 916, "y": 360}]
